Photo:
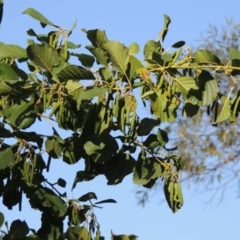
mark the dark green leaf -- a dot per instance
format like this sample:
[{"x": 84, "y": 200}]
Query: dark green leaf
[
  {"x": 178, "y": 44},
  {"x": 99, "y": 55},
  {"x": 4, "y": 133},
  {"x": 6, "y": 156},
  {"x": 75, "y": 72},
  {"x": 49, "y": 199},
  {"x": 163, "y": 33},
  {"x": 61, "y": 182},
  {"x": 97, "y": 37},
  {"x": 106, "y": 201},
  {"x": 118, "y": 167},
  {"x": 1, "y": 219},
  {"x": 86, "y": 60},
  {"x": 87, "y": 196},
  {"x": 18, "y": 229},
  {"x": 146, "y": 125},
  {"x": 53, "y": 146},
  {"x": 162, "y": 137}
]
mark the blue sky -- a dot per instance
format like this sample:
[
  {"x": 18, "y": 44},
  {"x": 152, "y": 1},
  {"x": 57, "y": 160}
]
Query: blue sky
[{"x": 133, "y": 21}]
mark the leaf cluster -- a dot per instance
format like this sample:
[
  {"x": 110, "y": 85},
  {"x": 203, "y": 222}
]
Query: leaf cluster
[{"x": 107, "y": 132}]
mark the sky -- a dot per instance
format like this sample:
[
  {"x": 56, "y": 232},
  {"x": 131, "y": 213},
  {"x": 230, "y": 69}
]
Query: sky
[{"x": 127, "y": 22}]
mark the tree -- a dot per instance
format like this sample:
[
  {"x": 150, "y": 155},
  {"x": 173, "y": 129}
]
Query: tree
[
  {"x": 102, "y": 119},
  {"x": 210, "y": 154}
]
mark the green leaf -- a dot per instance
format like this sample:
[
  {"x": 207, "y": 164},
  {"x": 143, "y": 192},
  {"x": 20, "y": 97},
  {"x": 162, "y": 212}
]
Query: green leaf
[
  {"x": 38, "y": 16},
  {"x": 234, "y": 54},
  {"x": 185, "y": 84},
  {"x": 71, "y": 45},
  {"x": 189, "y": 109},
  {"x": 86, "y": 60},
  {"x": 7, "y": 73},
  {"x": 6, "y": 156},
  {"x": 4, "y": 133},
  {"x": 87, "y": 196},
  {"x": 106, "y": 201},
  {"x": 151, "y": 46},
  {"x": 134, "y": 49},
  {"x": 53, "y": 146},
  {"x": 61, "y": 182},
  {"x": 151, "y": 142},
  {"x": 73, "y": 149},
  {"x": 118, "y": 167},
  {"x": 97, "y": 37},
  {"x": 162, "y": 137},
  {"x": 163, "y": 33},
  {"x": 146, "y": 125},
  {"x": 18, "y": 229},
  {"x": 118, "y": 55},
  {"x": 90, "y": 94},
  {"x": 225, "y": 110},
  {"x": 208, "y": 95},
  {"x": 47, "y": 198},
  {"x": 44, "y": 56},
  {"x": 205, "y": 56},
  {"x": 21, "y": 115},
  {"x": 178, "y": 44},
  {"x": 12, "y": 51},
  {"x": 146, "y": 169},
  {"x": 1, "y": 219},
  {"x": 75, "y": 72},
  {"x": 30, "y": 137},
  {"x": 99, "y": 55}
]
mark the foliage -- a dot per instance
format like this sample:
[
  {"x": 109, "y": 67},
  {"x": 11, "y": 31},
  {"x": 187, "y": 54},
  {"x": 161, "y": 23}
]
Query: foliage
[
  {"x": 211, "y": 159},
  {"x": 106, "y": 129}
]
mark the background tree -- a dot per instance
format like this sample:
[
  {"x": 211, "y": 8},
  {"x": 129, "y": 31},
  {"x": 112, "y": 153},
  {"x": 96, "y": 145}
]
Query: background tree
[{"x": 102, "y": 120}]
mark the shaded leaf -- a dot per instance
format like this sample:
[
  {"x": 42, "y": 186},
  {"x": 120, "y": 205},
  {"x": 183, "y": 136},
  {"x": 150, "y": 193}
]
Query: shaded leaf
[
  {"x": 18, "y": 229},
  {"x": 118, "y": 167},
  {"x": 1, "y": 219},
  {"x": 49, "y": 199},
  {"x": 75, "y": 72},
  {"x": 6, "y": 156},
  {"x": 87, "y": 196},
  {"x": 162, "y": 137},
  {"x": 146, "y": 125},
  {"x": 61, "y": 182},
  {"x": 178, "y": 44},
  {"x": 86, "y": 60},
  {"x": 106, "y": 201},
  {"x": 163, "y": 33}
]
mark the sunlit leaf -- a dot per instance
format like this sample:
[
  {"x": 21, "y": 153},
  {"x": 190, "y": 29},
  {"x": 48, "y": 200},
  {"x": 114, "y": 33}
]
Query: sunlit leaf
[
  {"x": 38, "y": 16},
  {"x": 12, "y": 51},
  {"x": 118, "y": 55},
  {"x": 205, "y": 56},
  {"x": 134, "y": 49},
  {"x": 44, "y": 56}
]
